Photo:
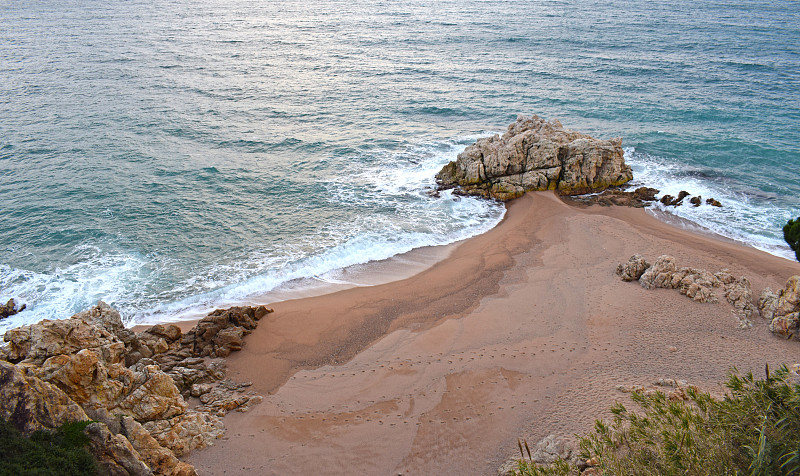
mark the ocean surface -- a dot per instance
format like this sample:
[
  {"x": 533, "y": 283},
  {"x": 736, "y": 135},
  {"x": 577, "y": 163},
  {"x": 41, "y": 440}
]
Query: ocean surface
[{"x": 170, "y": 157}]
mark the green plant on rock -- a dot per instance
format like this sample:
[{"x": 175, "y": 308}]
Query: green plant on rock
[
  {"x": 791, "y": 233},
  {"x": 58, "y": 452}
]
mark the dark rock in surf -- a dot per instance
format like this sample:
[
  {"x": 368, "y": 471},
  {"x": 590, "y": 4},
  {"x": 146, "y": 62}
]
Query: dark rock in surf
[{"x": 10, "y": 308}]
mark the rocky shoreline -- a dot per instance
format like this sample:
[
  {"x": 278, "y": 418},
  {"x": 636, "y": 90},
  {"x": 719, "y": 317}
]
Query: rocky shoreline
[
  {"x": 157, "y": 395},
  {"x": 153, "y": 396}
]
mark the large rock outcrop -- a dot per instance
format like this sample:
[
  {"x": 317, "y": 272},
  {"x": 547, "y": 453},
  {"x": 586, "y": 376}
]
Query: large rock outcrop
[
  {"x": 135, "y": 386},
  {"x": 535, "y": 154}
]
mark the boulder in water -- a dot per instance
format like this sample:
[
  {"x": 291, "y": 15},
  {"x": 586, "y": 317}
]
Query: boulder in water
[{"x": 535, "y": 154}]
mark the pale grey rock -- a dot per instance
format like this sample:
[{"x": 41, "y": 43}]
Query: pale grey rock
[{"x": 534, "y": 154}]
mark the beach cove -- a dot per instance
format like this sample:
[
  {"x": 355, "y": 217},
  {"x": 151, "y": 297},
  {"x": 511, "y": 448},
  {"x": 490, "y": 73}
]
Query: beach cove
[{"x": 522, "y": 332}]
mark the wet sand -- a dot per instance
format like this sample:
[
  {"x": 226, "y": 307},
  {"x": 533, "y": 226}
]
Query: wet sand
[{"x": 524, "y": 331}]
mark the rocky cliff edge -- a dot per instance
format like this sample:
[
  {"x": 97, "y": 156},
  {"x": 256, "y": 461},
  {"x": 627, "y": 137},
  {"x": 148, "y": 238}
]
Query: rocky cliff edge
[{"x": 139, "y": 389}]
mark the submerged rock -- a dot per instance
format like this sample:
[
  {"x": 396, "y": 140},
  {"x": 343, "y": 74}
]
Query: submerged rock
[
  {"x": 535, "y": 154},
  {"x": 134, "y": 386},
  {"x": 670, "y": 201}
]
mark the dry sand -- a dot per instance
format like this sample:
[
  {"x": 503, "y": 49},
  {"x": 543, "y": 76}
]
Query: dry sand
[{"x": 524, "y": 331}]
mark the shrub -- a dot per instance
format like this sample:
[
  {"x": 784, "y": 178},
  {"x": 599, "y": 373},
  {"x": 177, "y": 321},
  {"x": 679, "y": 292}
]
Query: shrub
[
  {"x": 791, "y": 233},
  {"x": 59, "y": 452},
  {"x": 754, "y": 430}
]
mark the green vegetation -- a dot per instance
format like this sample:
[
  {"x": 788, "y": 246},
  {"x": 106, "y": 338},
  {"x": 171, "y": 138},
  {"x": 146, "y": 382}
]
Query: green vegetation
[
  {"x": 755, "y": 430},
  {"x": 59, "y": 452},
  {"x": 791, "y": 233}
]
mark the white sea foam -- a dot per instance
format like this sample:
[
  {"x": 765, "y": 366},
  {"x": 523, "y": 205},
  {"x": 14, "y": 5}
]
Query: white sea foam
[
  {"x": 117, "y": 278},
  {"x": 743, "y": 217},
  {"x": 397, "y": 184},
  {"x": 397, "y": 181}
]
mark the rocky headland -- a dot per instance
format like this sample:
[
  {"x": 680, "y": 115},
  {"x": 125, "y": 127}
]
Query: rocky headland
[
  {"x": 153, "y": 396},
  {"x": 534, "y": 154}
]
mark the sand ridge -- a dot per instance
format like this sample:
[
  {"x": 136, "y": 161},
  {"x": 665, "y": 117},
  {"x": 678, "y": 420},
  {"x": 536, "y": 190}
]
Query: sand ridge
[{"x": 522, "y": 332}]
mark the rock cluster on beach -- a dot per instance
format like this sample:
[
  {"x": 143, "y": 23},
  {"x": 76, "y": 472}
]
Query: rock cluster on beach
[
  {"x": 782, "y": 309},
  {"x": 534, "y": 154},
  {"x": 698, "y": 284},
  {"x": 134, "y": 387}
]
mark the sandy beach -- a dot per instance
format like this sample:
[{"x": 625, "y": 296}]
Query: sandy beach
[{"x": 523, "y": 331}]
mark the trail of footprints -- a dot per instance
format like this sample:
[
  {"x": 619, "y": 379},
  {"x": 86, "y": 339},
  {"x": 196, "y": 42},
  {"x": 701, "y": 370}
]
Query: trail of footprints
[{"x": 367, "y": 411}]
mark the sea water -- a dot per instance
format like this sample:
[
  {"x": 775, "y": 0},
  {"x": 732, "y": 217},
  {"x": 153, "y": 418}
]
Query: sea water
[{"x": 170, "y": 157}]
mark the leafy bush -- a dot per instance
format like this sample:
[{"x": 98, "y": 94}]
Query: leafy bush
[
  {"x": 59, "y": 452},
  {"x": 754, "y": 430},
  {"x": 791, "y": 233}
]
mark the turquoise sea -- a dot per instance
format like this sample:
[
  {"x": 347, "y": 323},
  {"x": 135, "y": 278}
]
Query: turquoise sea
[{"x": 173, "y": 156}]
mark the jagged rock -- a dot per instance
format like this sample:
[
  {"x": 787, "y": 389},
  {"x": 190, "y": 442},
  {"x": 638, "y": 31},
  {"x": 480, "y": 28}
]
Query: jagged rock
[
  {"x": 153, "y": 396},
  {"x": 696, "y": 201},
  {"x": 144, "y": 392},
  {"x": 185, "y": 433},
  {"x": 782, "y": 308},
  {"x": 785, "y": 325},
  {"x": 85, "y": 378},
  {"x": 158, "y": 458},
  {"x": 789, "y": 298},
  {"x": 193, "y": 371},
  {"x": 114, "y": 453},
  {"x": 739, "y": 294},
  {"x": 220, "y": 332},
  {"x": 767, "y": 304},
  {"x": 91, "y": 366},
  {"x": 659, "y": 275},
  {"x": 200, "y": 389},
  {"x": 633, "y": 269},
  {"x": 227, "y": 396},
  {"x": 535, "y": 154},
  {"x": 10, "y": 308},
  {"x": 698, "y": 284},
  {"x": 670, "y": 201},
  {"x": 38, "y": 342},
  {"x": 31, "y": 404},
  {"x": 713, "y": 202},
  {"x": 551, "y": 448},
  {"x": 639, "y": 198},
  {"x": 694, "y": 283}
]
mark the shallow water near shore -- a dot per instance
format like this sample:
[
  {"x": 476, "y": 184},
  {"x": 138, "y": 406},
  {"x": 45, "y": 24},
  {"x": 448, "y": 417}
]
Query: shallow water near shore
[{"x": 169, "y": 158}]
